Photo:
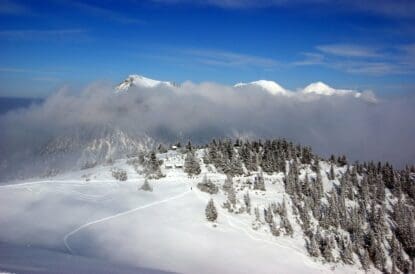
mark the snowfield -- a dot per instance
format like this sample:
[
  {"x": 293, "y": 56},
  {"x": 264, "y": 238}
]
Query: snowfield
[{"x": 86, "y": 221}]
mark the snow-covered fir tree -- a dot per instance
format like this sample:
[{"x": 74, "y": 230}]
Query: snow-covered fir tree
[
  {"x": 211, "y": 212},
  {"x": 146, "y": 186},
  {"x": 350, "y": 213},
  {"x": 191, "y": 164}
]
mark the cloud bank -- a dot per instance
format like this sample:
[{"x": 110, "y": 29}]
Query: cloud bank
[{"x": 330, "y": 124}]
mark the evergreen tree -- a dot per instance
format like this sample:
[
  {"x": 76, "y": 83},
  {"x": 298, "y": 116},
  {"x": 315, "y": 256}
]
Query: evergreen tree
[
  {"x": 146, "y": 186},
  {"x": 364, "y": 259},
  {"x": 191, "y": 164},
  {"x": 269, "y": 218},
  {"x": 211, "y": 213},
  {"x": 319, "y": 190},
  {"x": 152, "y": 165},
  {"x": 228, "y": 184},
  {"x": 287, "y": 226},
  {"x": 207, "y": 186},
  {"x": 259, "y": 183},
  {"x": 232, "y": 196},
  {"x": 247, "y": 201},
  {"x": 347, "y": 253},
  {"x": 236, "y": 166},
  {"x": 189, "y": 146},
  {"x": 326, "y": 250},
  {"x": 331, "y": 175},
  {"x": 312, "y": 247}
]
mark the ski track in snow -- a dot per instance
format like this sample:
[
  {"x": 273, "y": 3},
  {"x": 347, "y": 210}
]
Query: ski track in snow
[
  {"x": 67, "y": 236},
  {"x": 248, "y": 233},
  {"x": 231, "y": 221}
]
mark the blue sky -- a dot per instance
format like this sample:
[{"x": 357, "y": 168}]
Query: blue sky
[{"x": 45, "y": 45}]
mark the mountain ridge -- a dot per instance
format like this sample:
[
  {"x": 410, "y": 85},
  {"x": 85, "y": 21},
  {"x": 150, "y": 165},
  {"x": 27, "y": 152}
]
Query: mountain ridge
[{"x": 318, "y": 88}]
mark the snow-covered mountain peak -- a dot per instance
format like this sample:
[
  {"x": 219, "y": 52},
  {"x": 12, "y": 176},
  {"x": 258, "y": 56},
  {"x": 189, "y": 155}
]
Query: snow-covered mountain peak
[
  {"x": 270, "y": 86},
  {"x": 319, "y": 88},
  {"x": 141, "y": 81},
  {"x": 316, "y": 89}
]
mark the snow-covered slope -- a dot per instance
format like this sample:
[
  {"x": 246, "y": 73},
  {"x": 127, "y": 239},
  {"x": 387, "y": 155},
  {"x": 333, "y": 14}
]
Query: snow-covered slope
[
  {"x": 135, "y": 80},
  {"x": 166, "y": 228},
  {"x": 29, "y": 260},
  {"x": 270, "y": 86},
  {"x": 320, "y": 88},
  {"x": 78, "y": 148},
  {"x": 116, "y": 144}
]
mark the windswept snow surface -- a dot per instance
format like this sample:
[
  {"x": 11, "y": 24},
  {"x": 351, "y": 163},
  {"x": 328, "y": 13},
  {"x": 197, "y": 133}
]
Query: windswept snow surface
[{"x": 86, "y": 217}]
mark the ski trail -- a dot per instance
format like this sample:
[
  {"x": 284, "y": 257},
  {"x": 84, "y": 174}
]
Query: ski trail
[
  {"x": 67, "y": 236},
  {"x": 247, "y": 232}
]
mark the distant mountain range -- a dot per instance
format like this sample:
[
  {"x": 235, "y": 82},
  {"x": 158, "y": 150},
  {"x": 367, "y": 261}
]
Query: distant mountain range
[{"x": 314, "y": 89}]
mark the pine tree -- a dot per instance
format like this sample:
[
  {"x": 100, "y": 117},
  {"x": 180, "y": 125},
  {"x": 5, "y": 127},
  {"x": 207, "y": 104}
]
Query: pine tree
[
  {"x": 312, "y": 247},
  {"x": 232, "y": 196},
  {"x": 326, "y": 250},
  {"x": 207, "y": 186},
  {"x": 347, "y": 254},
  {"x": 247, "y": 201},
  {"x": 236, "y": 166},
  {"x": 376, "y": 252},
  {"x": 287, "y": 226},
  {"x": 269, "y": 218},
  {"x": 146, "y": 186},
  {"x": 119, "y": 174},
  {"x": 211, "y": 213},
  {"x": 191, "y": 164},
  {"x": 331, "y": 175},
  {"x": 152, "y": 165},
  {"x": 153, "y": 162},
  {"x": 228, "y": 184},
  {"x": 189, "y": 146},
  {"x": 364, "y": 259},
  {"x": 259, "y": 183}
]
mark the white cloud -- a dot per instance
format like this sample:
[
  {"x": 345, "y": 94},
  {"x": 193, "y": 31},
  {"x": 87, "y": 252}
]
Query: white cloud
[
  {"x": 231, "y": 59},
  {"x": 310, "y": 58},
  {"x": 358, "y": 59},
  {"x": 348, "y": 50},
  {"x": 209, "y": 110}
]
